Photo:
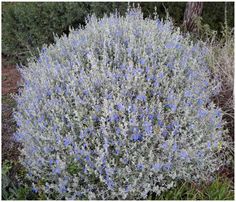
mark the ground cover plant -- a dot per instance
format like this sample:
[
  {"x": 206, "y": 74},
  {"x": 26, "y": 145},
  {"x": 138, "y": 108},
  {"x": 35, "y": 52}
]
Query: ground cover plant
[{"x": 119, "y": 110}]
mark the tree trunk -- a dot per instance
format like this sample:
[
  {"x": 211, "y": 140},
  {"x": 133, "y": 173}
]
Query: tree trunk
[{"x": 192, "y": 11}]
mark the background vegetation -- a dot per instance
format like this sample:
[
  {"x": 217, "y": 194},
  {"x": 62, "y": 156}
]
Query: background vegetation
[{"x": 27, "y": 26}]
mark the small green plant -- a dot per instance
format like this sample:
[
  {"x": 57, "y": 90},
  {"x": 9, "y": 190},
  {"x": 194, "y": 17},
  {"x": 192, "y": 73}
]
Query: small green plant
[{"x": 15, "y": 189}]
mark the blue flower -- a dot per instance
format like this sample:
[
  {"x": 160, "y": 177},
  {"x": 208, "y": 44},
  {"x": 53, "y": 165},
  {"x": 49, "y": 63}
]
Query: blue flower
[
  {"x": 157, "y": 166},
  {"x": 161, "y": 75},
  {"x": 95, "y": 118},
  {"x": 184, "y": 154},
  {"x": 118, "y": 131},
  {"x": 170, "y": 45},
  {"x": 170, "y": 65},
  {"x": 218, "y": 113},
  {"x": 57, "y": 170},
  {"x": 87, "y": 158},
  {"x": 51, "y": 162},
  {"x": 156, "y": 84},
  {"x": 167, "y": 166},
  {"x": 200, "y": 154},
  {"x": 117, "y": 151},
  {"x": 178, "y": 46},
  {"x": 170, "y": 127},
  {"x": 41, "y": 119},
  {"x": 164, "y": 145},
  {"x": 201, "y": 113},
  {"x": 164, "y": 133},
  {"x": 175, "y": 132},
  {"x": 160, "y": 123},
  {"x": 142, "y": 61},
  {"x": 120, "y": 107},
  {"x": 147, "y": 127},
  {"x": 109, "y": 96},
  {"x": 142, "y": 97},
  {"x": 158, "y": 23},
  {"x": 110, "y": 183},
  {"x": 137, "y": 137},
  {"x": 147, "y": 69},
  {"x": 62, "y": 189},
  {"x": 19, "y": 136},
  {"x": 106, "y": 146},
  {"x": 173, "y": 107},
  {"x": 151, "y": 117},
  {"x": 114, "y": 117},
  {"x": 200, "y": 102},
  {"x": 85, "y": 92},
  {"x": 140, "y": 166},
  {"x": 67, "y": 142},
  {"x": 187, "y": 93},
  {"x": 209, "y": 145},
  {"x": 175, "y": 147},
  {"x": 34, "y": 189}
]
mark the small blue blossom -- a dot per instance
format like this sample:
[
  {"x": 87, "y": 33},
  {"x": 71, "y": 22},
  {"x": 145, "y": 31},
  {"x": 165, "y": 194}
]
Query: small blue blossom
[
  {"x": 57, "y": 170},
  {"x": 110, "y": 183},
  {"x": 174, "y": 147},
  {"x": 117, "y": 151},
  {"x": 164, "y": 145},
  {"x": 147, "y": 127},
  {"x": 157, "y": 166},
  {"x": 175, "y": 132},
  {"x": 62, "y": 189},
  {"x": 209, "y": 145},
  {"x": 187, "y": 93},
  {"x": 170, "y": 45},
  {"x": 137, "y": 137},
  {"x": 114, "y": 117},
  {"x": 121, "y": 107},
  {"x": 161, "y": 75},
  {"x": 118, "y": 131},
  {"x": 173, "y": 107},
  {"x": 95, "y": 118},
  {"x": 160, "y": 123},
  {"x": 200, "y": 102},
  {"x": 142, "y": 97},
  {"x": 201, "y": 113},
  {"x": 140, "y": 166},
  {"x": 164, "y": 133},
  {"x": 67, "y": 142},
  {"x": 167, "y": 166},
  {"x": 142, "y": 61},
  {"x": 184, "y": 154},
  {"x": 34, "y": 189},
  {"x": 178, "y": 46}
]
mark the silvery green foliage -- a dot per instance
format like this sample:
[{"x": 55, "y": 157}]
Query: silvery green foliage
[{"x": 118, "y": 110}]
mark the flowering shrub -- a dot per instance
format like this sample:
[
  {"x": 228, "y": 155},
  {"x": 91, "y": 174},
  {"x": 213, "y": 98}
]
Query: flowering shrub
[{"x": 118, "y": 110}]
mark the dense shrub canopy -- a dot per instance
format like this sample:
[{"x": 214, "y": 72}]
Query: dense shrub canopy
[{"x": 119, "y": 109}]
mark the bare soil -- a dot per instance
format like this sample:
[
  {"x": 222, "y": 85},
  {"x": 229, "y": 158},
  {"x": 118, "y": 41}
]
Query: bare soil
[{"x": 10, "y": 77}]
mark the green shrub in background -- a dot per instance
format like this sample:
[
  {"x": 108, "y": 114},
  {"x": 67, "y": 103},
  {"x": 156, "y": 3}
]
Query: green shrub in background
[{"x": 27, "y": 26}]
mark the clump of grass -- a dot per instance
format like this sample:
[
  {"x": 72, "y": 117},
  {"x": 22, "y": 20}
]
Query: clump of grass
[{"x": 220, "y": 189}]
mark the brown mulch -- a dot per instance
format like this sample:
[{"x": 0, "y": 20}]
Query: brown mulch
[{"x": 10, "y": 77}]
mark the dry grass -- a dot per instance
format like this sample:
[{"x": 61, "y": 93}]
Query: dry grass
[{"x": 221, "y": 61}]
